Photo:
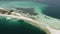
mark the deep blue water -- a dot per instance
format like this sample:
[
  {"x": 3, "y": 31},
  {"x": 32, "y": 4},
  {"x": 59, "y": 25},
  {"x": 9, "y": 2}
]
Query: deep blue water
[{"x": 52, "y": 12}]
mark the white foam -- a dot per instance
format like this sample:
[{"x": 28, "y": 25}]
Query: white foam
[{"x": 2, "y": 8}]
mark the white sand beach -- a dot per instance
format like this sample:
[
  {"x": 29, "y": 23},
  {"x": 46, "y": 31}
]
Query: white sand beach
[{"x": 38, "y": 24}]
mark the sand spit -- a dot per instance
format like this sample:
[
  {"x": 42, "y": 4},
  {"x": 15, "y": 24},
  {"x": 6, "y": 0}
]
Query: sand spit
[{"x": 33, "y": 22}]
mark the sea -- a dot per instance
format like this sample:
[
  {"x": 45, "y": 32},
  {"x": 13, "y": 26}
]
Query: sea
[{"x": 14, "y": 26}]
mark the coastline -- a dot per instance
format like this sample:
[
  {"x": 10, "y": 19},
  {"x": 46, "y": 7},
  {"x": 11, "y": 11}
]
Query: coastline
[{"x": 31, "y": 21}]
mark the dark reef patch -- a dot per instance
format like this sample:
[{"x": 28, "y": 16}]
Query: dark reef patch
[{"x": 27, "y": 10}]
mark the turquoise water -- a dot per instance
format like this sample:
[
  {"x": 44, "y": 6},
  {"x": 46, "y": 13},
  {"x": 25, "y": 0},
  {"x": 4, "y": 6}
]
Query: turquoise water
[
  {"x": 15, "y": 26},
  {"x": 17, "y": 4}
]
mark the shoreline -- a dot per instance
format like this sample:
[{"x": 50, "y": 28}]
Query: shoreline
[
  {"x": 36, "y": 23},
  {"x": 32, "y": 22}
]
